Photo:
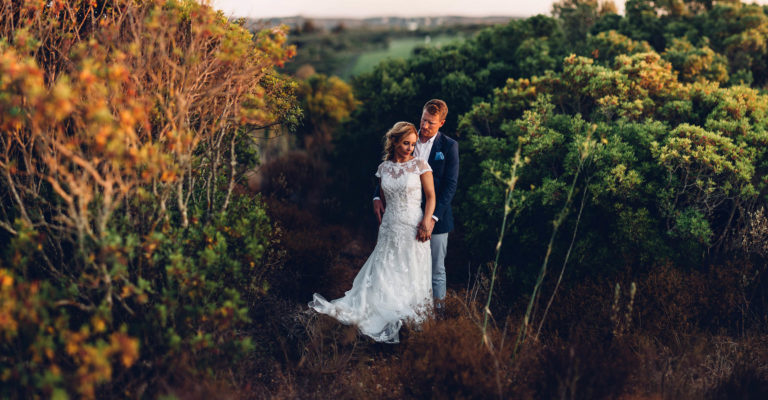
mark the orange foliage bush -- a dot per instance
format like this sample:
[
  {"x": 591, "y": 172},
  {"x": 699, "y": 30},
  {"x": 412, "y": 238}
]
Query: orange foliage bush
[
  {"x": 104, "y": 99},
  {"x": 122, "y": 137}
]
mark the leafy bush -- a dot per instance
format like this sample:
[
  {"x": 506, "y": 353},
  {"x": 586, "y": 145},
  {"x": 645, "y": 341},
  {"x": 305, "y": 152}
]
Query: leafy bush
[
  {"x": 663, "y": 182},
  {"x": 128, "y": 254}
]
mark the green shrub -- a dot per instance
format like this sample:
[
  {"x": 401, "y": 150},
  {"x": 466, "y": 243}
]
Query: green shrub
[
  {"x": 663, "y": 183},
  {"x": 128, "y": 255}
]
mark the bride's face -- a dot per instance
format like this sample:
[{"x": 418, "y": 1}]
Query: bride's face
[{"x": 405, "y": 146}]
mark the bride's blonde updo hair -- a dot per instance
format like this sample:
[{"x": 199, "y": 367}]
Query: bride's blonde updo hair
[{"x": 394, "y": 135}]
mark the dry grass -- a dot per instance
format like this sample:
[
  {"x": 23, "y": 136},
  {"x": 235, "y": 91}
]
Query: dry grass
[{"x": 684, "y": 334}]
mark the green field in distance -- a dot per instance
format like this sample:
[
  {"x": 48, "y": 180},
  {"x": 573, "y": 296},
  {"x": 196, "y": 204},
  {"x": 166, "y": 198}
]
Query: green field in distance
[{"x": 399, "y": 48}]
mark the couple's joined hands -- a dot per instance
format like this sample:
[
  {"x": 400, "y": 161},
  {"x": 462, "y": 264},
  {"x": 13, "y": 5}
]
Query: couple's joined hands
[{"x": 424, "y": 230}]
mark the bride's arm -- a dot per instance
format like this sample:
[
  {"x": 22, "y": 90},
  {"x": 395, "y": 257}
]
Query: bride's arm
[{"x": 428, "y": 185}]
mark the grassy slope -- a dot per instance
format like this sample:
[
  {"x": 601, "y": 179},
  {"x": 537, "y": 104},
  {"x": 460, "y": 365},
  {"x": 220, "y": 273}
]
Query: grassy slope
[{"x": 398, "y": 48}]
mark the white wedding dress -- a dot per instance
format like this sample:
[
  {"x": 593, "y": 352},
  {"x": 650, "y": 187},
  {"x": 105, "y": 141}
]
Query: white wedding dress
[{"x": 395, "y": 283}]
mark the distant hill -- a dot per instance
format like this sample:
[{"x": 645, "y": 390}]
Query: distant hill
[{"x": 386, "y": 23}]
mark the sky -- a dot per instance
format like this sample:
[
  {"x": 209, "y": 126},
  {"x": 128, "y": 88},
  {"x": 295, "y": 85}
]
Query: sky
[{"x": 390, "y": 8}]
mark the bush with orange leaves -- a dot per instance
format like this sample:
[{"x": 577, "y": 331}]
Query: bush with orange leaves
[{"x": 123, "y": 136}]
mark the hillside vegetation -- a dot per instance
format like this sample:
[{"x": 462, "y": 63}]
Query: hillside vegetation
[{"x": 626, "y": 156}]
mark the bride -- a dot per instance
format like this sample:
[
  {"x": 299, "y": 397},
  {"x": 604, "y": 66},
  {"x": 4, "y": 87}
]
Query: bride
[{"x": 395, "y": 284}]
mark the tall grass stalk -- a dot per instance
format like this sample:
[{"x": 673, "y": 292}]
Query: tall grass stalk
[
  {"x": 565, "y": 262},
  {"x": 507, "y": 208},
  {"x": 584, "y": 152}
]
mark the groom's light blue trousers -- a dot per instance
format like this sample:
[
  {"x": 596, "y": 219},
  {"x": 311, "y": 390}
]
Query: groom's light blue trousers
[{"x": 439, "y": 245}]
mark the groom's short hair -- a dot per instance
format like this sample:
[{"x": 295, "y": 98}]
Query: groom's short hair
[{"x": 437, "y": 107}]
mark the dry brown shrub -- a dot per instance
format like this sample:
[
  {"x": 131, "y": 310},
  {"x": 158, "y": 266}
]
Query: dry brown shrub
[
  {"x": 579, "y": 354},
  {"x": 584, "y": 309},
  {"x": 670, "y": 302},
  {"x": 748, "y": 378},
  {"x": 674, "y": 302},
  {"x": 731, "y": 303},
  {"x": 331, "y": 360},
  {"x": 585, "y": 369},
  {"x": 312, "y": 249},
  {"x": 191, "y": 387},
  {"x": 327, "y": 346},
  {"x": 447, "y": 358},
  {"x": 294, "y": 176},
  {"x": 718, "y": 367}
]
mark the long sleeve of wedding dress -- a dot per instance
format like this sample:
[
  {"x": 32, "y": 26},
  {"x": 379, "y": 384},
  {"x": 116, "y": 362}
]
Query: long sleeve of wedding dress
[{"x": 395, "y": 283}]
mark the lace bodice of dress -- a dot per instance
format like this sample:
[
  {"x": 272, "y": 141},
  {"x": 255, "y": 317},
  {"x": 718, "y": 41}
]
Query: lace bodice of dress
[{"x": 401, "y": 185}]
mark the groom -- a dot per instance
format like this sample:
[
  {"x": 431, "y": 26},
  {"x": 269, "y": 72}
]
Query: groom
[{"x": 442, "y": 154}]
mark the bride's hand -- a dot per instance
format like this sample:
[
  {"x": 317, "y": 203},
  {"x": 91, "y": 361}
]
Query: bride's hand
[
  {"x": 424, "y": 231},
  {"x": 421, "y": 232}
]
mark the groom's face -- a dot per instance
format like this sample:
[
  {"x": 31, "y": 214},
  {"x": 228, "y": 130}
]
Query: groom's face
[{"x": 430, "y": 124}]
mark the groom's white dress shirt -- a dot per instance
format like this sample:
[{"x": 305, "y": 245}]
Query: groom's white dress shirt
[{"x": 422, "y": 150}]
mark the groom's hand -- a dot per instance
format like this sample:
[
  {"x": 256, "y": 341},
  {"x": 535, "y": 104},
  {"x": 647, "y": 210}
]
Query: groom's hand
[{"x": 378, "y": 209}]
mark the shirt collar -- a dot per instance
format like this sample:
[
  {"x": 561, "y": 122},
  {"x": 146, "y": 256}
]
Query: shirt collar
[{"x": 431, "y": 140}]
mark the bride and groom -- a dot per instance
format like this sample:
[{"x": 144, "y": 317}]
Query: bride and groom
[{"x": 407, "y": 267}]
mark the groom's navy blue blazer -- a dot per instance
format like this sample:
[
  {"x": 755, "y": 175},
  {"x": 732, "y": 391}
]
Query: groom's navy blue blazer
[{"x": 444, "y": 161}]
